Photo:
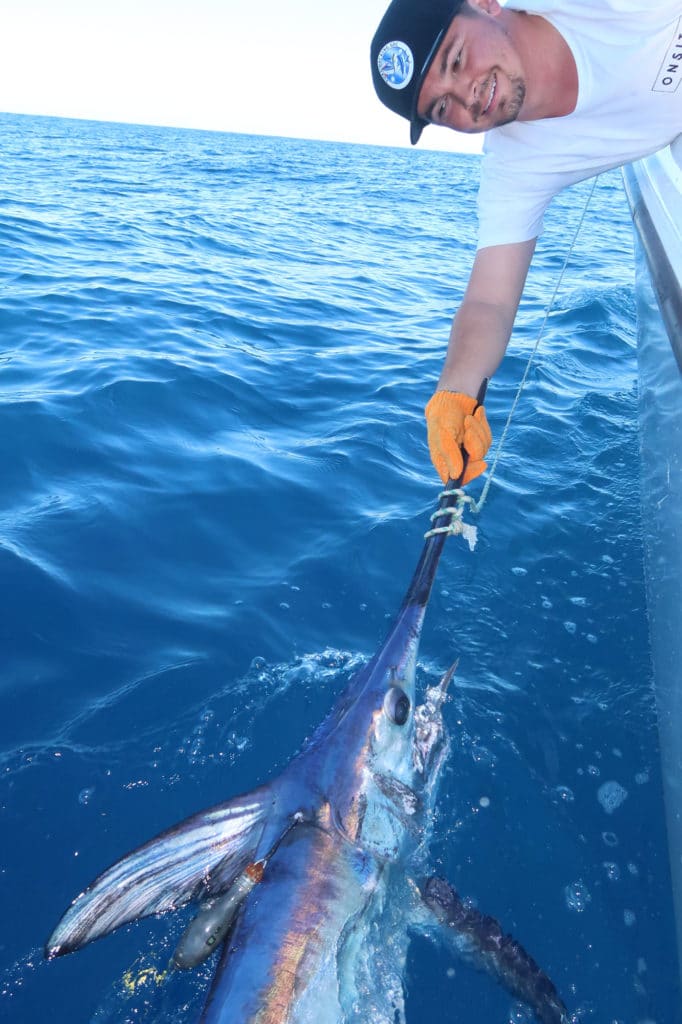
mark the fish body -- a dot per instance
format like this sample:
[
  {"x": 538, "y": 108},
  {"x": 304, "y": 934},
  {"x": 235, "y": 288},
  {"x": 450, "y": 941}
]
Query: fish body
[
  {"x": 323, "y": 935},
  {"x": 362, "y": 786},
  {"x": 281, "y": 964}
]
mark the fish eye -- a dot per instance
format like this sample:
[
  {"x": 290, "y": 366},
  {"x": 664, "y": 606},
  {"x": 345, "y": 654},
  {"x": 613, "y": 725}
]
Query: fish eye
[{"x": 397, "y": 705}]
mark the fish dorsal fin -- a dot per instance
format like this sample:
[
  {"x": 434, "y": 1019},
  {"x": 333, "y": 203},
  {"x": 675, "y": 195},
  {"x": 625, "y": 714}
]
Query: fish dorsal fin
[{"x": 204, "y": 851}]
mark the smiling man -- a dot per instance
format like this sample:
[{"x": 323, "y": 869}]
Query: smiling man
[{"x": 564, "y": 89}]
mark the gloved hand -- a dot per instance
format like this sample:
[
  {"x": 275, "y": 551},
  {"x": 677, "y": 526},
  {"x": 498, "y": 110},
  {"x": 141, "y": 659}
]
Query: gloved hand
[{"x": 453, "y": 425}]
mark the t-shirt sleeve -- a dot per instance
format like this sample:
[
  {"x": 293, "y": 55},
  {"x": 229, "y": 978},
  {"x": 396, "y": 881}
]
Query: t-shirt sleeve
[{"x": 511, "y": 202}]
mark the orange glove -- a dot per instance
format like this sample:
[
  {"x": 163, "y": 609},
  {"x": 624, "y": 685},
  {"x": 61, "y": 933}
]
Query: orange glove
[{"x": 453, "y": 425}]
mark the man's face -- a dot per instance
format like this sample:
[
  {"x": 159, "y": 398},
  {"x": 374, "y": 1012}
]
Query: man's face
[{"x": 476, "y": 79}]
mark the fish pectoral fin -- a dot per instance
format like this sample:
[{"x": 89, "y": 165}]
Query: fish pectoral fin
[
  {"x": 481, "y": 939},
  {"x": 203, "y": 852}
]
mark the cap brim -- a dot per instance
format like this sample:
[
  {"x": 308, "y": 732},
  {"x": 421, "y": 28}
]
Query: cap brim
[
  {"x": 416, "y": 129},
  {"x": 418, "y": 124}
]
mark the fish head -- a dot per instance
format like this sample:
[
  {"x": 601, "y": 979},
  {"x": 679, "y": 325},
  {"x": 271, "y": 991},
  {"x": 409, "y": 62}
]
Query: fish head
[{"x": 384, "y": 746}]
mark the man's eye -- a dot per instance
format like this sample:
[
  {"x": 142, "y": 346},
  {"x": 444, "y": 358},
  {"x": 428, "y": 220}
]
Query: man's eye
[
  {"x": 457, "y": 61},
  {"x": 441, "y": 110}
]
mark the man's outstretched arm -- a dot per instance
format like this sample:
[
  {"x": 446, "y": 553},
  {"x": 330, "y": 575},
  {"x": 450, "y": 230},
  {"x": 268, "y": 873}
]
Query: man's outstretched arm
[
  {"x": 483, "y": 323},
  {"x": 478, "y": 340}
]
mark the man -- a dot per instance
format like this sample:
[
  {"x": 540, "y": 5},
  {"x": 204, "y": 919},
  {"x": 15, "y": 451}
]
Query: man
[{"x": 565, "y": 89}]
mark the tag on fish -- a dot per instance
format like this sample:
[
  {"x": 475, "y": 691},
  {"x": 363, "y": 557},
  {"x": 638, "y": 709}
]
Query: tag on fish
[
  {"x": 470, "y": 534},
  {"x": 459, "y": 528}
]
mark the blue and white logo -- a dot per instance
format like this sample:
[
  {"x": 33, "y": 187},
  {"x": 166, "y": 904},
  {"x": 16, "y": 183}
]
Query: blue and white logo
[{"x": 396, "y": 64}]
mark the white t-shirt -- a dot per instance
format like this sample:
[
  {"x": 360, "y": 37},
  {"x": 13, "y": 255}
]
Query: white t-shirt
[{"x": 629, "y": 61}]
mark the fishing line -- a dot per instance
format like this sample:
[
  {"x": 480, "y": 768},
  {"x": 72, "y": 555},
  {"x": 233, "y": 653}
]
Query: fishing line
[{"x": 478, "y": 505}]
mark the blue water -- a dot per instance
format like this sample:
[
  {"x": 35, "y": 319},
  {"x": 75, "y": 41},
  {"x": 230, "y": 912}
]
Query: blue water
[{"x": 215, "y": 351}]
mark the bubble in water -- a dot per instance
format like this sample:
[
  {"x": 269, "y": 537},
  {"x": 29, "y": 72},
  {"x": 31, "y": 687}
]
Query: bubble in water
[
  {"x": 610, "y": 838},
  {"x": 611, "y": 795},
  {"x": 86, "y": 795},
  {"x": 565, "y": 794},
  {"x": 577, "y": 896},
  {"x": 484, "y": 801},
  {"x": 518, "y": 571},
  {"x": 629, "y": 917},
  {"x": 546, "y": 603},
  {"x": 237, "y": 742},
  {"x": 520, "y": 1015},
  {"x": 482, "y": 755},
  {"x": 612, "y": 871},
  {"x": 641, "y": 778},
  {"x": 579, "y": 601}
]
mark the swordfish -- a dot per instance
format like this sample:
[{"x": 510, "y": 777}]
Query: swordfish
[{"x": 309, "y": 887}]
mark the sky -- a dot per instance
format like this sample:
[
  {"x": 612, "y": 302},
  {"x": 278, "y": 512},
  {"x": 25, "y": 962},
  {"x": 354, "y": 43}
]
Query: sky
[{"x": 294, "y": 67}]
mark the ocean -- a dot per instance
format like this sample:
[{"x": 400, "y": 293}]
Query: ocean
[{"x": 215, "y": 354}]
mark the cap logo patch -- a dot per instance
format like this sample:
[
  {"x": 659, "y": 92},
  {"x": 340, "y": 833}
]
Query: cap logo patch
[{"x": 396, "y": 64}]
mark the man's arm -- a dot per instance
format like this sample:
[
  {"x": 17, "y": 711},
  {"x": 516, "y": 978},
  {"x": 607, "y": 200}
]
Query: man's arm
[
  {"x": 483, "y": 324},
  {"x": 478, "y": 340}
]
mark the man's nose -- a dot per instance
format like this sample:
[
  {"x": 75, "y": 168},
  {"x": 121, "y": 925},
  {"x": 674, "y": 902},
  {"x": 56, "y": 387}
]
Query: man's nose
[{"x": 466, "y": 92}]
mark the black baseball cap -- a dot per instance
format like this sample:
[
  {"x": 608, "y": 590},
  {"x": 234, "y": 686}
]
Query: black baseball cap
[{"x": 402, "y": 52}]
